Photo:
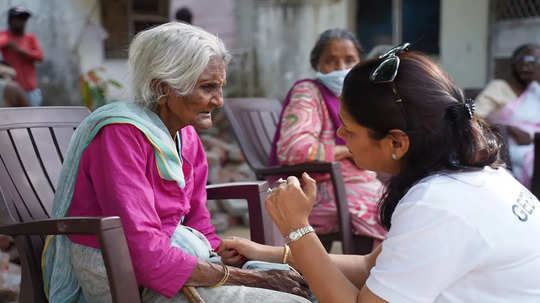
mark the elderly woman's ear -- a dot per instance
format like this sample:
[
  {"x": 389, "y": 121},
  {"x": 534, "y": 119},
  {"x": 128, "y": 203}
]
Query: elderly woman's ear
[{"x": 164, "y": 92}]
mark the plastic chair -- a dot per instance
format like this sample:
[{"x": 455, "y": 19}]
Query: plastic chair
[
  {"x": 33, "y": 142},
  {"x": 254, "y": 122}
]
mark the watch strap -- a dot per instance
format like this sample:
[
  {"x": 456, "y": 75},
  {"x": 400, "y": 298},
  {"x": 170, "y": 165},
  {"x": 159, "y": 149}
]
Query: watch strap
[{"x": 299, "y": 233}]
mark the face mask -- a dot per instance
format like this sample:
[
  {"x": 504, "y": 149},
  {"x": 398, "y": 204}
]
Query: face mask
[{"x": 333, "y": 80}]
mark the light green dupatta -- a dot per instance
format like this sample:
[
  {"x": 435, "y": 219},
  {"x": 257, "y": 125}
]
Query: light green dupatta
[{"x": 60, "y": 282}]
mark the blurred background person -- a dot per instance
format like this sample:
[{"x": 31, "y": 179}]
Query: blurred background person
[
  {"x": 516, "y": 104},
  {"x": 184, "y": 14},
  {"x": 499, "y": 92},
  {"x": 21, "y": 51},
  {"x": 307, "y": 132}
]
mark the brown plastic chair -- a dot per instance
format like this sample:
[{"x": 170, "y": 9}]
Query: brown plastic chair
[
  {"x": 33, "y": 142},
  {"x": 254, "y": 122},
  {"x": 535, "y": 181}
]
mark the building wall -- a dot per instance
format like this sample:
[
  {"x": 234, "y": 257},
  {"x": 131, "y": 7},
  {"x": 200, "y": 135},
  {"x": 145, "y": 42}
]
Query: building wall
[
  {"x": 464, "y": 41},
  {"x": 58, "y": 25},
  {"x": 214, "y": 16},
  {"x": 276, "y": 38}
]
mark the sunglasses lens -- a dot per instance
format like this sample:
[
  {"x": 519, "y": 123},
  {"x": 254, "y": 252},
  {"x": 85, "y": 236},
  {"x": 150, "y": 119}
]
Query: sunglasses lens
[{"x": 386, "y": 71}]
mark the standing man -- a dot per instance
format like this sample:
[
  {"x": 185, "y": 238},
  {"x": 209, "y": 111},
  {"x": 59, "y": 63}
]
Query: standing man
[{"x": 21, "y": 51}]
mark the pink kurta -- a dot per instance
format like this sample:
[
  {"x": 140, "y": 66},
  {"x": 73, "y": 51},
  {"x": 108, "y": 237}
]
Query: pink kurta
[
  {"x": 308, "y": 134},
  {"x": 118, "y": 176}
]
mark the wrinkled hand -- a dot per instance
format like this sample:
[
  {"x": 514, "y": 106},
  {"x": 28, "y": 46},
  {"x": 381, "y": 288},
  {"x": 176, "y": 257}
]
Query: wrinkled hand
[
  {"x": 289, "y": 205},
  {"x": 288, "y": 281},
  {"x": 236, "y": 251},
  {"x": 341, "y": 152},
  {"x": 521, "y": 137}
]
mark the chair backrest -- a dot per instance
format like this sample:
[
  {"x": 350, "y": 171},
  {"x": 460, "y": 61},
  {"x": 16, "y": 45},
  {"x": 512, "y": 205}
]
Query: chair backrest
[
  {"x": 254, "y": 122},
  {"x": 33, "y": 142}
]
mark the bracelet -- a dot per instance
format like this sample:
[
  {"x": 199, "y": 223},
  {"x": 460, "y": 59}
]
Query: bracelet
[
  {"x": 226, "y": 276},
  {"x": 286, "y": 251}
]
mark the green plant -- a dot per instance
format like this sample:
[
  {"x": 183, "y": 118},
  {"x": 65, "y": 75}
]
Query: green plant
[{"x": 94, "y": 88}]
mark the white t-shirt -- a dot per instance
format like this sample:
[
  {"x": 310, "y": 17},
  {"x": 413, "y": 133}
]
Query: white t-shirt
[{"x": 464, "y": 237}]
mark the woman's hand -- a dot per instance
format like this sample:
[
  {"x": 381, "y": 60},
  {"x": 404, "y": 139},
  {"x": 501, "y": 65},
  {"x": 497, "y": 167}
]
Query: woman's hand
[
  {"x": 236, "y": 251},
  {"x": 285, "y": 281},
  {"x": 341, "y": 152},
  {"x": 289, "y": 205}
]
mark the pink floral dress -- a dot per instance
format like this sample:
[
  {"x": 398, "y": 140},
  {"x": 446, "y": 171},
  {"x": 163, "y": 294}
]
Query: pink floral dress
[{"x": 308, "y": 134}]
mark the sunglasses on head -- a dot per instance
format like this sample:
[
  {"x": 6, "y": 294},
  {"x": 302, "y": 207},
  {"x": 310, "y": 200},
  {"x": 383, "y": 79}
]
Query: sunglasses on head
[{"x": 386, "y": 71}]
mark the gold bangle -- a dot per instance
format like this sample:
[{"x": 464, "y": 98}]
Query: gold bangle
[
  {"x": 286, "y": 251},
  {"x": 226, "y": 276}
]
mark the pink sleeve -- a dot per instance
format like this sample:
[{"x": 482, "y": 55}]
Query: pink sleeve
[
  {"x": 198, "y": 216},
  {"x": 301, "y": 129},
  {"x": 120, "y": 155}
]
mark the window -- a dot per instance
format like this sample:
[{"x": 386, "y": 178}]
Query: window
[
  {"x": 124, "y": 18},
  {"x": 395, "y": 21},
  {"x": 516, "y": 9}
]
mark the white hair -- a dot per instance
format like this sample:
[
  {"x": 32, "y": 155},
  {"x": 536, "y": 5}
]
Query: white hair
[{"x": 173, "y": 53}]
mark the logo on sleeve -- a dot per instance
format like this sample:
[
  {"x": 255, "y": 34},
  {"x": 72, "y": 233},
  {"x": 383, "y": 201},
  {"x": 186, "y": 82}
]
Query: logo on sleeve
[{"x": 525, "y": 205}]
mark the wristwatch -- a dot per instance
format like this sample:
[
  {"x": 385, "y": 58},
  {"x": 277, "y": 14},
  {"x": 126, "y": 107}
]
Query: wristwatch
[{"x": 299, "y": 233}]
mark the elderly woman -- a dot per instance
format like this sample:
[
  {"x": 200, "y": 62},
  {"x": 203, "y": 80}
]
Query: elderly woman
[
  {"x": 144, "y": 162},
  {"x": 461, "y": 228},
  {"x": 516, "y": 103},
  {"x": 307, "y": 132}
]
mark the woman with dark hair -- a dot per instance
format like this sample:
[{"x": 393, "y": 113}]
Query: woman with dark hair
[
  {"x": 516, "y": 104},
  {"x": 307, "y": 132},
  {"x": 525, "y": 68},
  {"x": 461, "y": 228}
]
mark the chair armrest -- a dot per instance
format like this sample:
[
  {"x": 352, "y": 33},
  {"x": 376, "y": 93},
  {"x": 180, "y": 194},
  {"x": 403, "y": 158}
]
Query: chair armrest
[
  {"x": 262, "y": 229},
  {"x": 110, "y": 233},
  {"x": 69, "y": 225},
  {"x": 297, "y": 169},
  {"x": 333, "y": 168}
]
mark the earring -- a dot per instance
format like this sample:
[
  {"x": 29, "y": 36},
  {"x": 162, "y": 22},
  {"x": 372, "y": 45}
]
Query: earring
[{"x": 394, "y": 156}]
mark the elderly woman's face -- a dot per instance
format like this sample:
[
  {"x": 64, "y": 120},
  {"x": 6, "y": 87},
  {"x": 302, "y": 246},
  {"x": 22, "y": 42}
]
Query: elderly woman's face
[
  {"x": 339, "y": 54},
  {"x": 196, "y": 108},
  {"x": 527, "y": 66}
]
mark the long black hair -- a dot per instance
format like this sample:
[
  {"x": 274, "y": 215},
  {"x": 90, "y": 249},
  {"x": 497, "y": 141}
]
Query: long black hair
[{"x": 442, "y": 135}]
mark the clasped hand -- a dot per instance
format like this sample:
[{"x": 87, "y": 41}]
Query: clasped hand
[{"x": 289, "y": 204}]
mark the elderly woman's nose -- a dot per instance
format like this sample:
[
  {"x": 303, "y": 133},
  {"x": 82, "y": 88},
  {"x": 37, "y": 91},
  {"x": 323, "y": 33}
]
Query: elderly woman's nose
[
  {"x": 218, "y": 100},
  {"x": 341, "y": 65}
]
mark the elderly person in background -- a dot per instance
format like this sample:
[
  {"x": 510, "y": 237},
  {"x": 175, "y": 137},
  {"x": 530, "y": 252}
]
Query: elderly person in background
[
  {"x": 307, "y": 132},
  {"x": 516, "y": 104},
  {"x": 143, "y": 161}
]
